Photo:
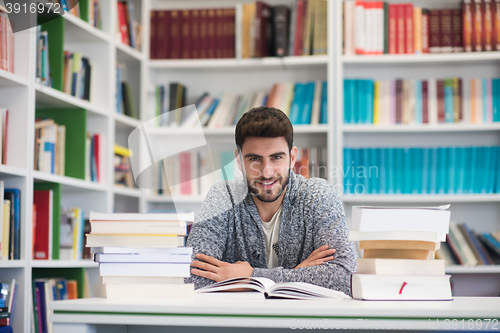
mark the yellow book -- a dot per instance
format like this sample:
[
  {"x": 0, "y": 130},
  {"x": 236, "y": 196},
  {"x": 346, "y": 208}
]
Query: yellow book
[
  {"x": 376, "y": 103},
  {"x": 122, "y": 151},
  {"x": 417, "y": 32},
  {"x": 6, "y": 230}
]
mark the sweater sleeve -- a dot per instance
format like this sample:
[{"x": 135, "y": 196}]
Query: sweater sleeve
[
  {"x": 329, "y": 228},
  {"x": 209, "y": 233}
]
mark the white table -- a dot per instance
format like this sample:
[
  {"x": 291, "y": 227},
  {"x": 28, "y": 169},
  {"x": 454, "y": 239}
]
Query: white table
[{"x": 218, "y": 314}]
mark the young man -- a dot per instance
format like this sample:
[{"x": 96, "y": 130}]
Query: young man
[{"x": 271, "y": 223}]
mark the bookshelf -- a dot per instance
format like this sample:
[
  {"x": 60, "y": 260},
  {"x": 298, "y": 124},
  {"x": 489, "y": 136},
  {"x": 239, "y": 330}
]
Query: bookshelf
[
  {"x": 25, "y": 98},
  {"x": 480, "y": 211}
]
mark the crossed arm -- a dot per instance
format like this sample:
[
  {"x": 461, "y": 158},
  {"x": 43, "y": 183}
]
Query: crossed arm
[{"x": 217, "y": 270}]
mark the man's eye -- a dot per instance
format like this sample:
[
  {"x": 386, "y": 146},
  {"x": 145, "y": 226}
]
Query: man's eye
[
  {"x": 254, "y": 159},
  {"x": 277, "y": 157}
]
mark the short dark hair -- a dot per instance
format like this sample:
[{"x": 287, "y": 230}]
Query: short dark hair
[{"x": 264, "y": 122}]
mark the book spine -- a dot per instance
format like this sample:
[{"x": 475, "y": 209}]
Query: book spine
[
  {"x": 467, "y": 25},
  {"x": 281, "y": 26},
  {"x": 359, "y": 27},
  {"x": 393, "y": 32},
  {"x": 203, "y": 48},
  {"x": 440, "y": 101},
  {"x": 186, "y": 34},
  {"x": 399, "y": 102},
  {"x": 425, "y": 31},
  {"x": 219, "y": 33},
  {"x": 425, "y": 101},
  {"x": 434, "y": 31},
  {"x": 446, "y": 31},
  {"x": 417, "y": 29},
  {"x": 211, "y": 43},
  {"x": 477, "y": 39},
  {"x": 175, "y": 34},
  {"x": 401, "y": 31},
  {"x": 456, "y": 22},
  {"x": 496, "y": 25},
  {"x": 195, "y": 34},
  {"x": 409, "y": 31},
  {"x": 487, "y": 24}
]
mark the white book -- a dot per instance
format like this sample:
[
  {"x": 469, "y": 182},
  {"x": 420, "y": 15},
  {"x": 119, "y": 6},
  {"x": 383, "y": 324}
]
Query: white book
[
  {"x": 141, "y": 250},
  {"x": 143, "y": 291},
  {"x": 142, "y": 280},
  {"x": 467, "y": 100},
  {"x": 184, "y": 258},
  {"x": 400, "y": 266},
  {"x": 433, "y": 102},
  {"x": 259, "y": 98},
  {"x": 270, "y": 289},
  {"x": 316, "y": 107},
  {"x": 434, "y": 219},
  {"x": 145, "y": 269},
  {"x": 349, "y": 27},
  {"x": 397, "y": 235},
  {"x": 135, "y": 240},
  {"x": 139, "y": 227},
  {"x": 412, "y": 101},
  {"x": 401, "y": 287},
  {"x": 222, "y": 111},
  {"x": 470, "y": 258},
  {"x": 478, "y": 98},
  {"x": 94, "y": 216}
]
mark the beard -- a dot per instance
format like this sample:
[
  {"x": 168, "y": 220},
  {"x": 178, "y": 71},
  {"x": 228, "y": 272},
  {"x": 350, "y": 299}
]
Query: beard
[{"x": 268, "y": 195}]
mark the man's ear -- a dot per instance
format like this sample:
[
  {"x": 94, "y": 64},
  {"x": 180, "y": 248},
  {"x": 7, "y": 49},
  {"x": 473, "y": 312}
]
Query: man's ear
[
  {"x": 237, "y": 155},
  {"x": 293, "y": 157}
]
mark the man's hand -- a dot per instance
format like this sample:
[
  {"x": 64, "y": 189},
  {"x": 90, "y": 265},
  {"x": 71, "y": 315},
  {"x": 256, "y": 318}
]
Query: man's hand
[
  {"x": 318, "y": 256},
  {"x": 217, "y": 270}
]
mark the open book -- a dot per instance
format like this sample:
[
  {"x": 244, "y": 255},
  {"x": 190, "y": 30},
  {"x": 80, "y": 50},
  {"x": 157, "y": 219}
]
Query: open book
[{"x": 270, "y": 289}]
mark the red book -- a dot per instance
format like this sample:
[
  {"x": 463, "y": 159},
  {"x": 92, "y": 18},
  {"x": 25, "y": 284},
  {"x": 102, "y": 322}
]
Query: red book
[
  {"x": 97, "y": 147},
  {"x": 454, "y": 249},
  {"x": 12, "y": 49},
  {"x": 487, "y": 11},
  {"x": 434, "y": 31},
  {"x": 186, "y": 34},
  {"x": 3, "y": 41},
  {"x": 477, "y": 37},
  {"x": 43, "y": 199},
  {"x": 393, "y": 29},
  {"x": 211, "y": 33},
  {"x": 401, "y": 32},
  {"x": 461, "y": 98},
  {"x": 175, "y": 34},
  {"x": 5, "y": 138},
  {"x": 122, "y": 22},
  {"x": 232, "y": 32},
  {"x": 163, "y": 35},
  {"x": 203, "y": 49},
  {"x": 220, "y": 43},
  {"x": 440, "y": 101},
  {"x": 446, "y": 31},
  {"x": 399, "y": 101},
  {"x": 409, "y": 40},
  {"x": 425, "y": 101},
  {"x": 495, "y": 29},
  {"x": 195, "y": 34},
  {"x": 299, "y": 28},
  {"x": 185, "y": 173},
  {"x": 457, "y": 30},
  {"x": 425, "y": 31},
  {"x": 263, "y": 23},
  {"x": 153, "y": 42},
  {"x": 467, "y": 25}
]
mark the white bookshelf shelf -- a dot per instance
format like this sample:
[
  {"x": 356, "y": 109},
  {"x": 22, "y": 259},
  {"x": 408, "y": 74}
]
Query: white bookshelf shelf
[
  {"x": 82, "y": 31},
  {"x": 421, "y": 58},
  {"x": 302, "y": 61},
  {"x": 12, "y": 264},
  {"x": 69, "y": 183},
  {"x": 8, "y": 79},
  {"x": 484, "y": 269},
  {"x": 355, "y": 128},
  {"x": 426, "y": 198},
  {"x": 124, "y": 51},
  {"x": 177, "y": 199},
  {"x": 225, "y": 131},
  {"x": 129, "y": 192},
  {"x": 47, "y": 97},
  {"x": 126, "y": 121},
  {"x": 62, "y": 263},
  {"x": 13, "y": 171}
]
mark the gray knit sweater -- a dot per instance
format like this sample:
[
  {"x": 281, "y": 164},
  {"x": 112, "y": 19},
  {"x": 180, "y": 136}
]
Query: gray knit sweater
[{"x": 229, "y": 228}]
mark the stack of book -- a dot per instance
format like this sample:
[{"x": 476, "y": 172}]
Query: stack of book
[
  {"x": 142, "y": 252},
  {"x": 399, "y": 246}
]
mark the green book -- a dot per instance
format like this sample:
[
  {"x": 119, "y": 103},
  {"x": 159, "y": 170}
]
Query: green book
[
  {"x": 75, "y": 121},
  {"x": 386, "y": 28},
  {"x": 55, "y": 30},
  {"x": 56, "y": 214},
  {"x": 73, "y": 273}
]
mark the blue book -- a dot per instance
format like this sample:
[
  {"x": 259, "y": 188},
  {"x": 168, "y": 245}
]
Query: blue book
[
  {"x": 448, "y": 101},
  {"x": 485, "y": 98},
  {"x": 14, "y": 195},
  {"x": 417, "y": 170},
  {"x": 130, "y": 19},
  {"x": 348, "y": 171},
  {"x": 407, "y": 171},
  {"x": 398, "y": 170},
  {"x": 475, "y": 242},
  {"x": 349, "y": 101},
  {"x": 40, "y": 289},
  {"x": 433, "y": 180},
  {"x": 358, "y": 101},
  {"x": 358, "y": 162},
  {"x": 452, "y": 160},
  {"x": 473, "y": 170},
  {"x": 369, "y": 101},
  {"x": 390, "y": 166},
  {"x": 119, "y": 89},
  {"x": 305, "y": 117},
  {"x": 374, "y": 170},
  {"x": 426, "y": 169},
  {"x": 442, "y": 172},
  {"x": 324, "y": 103},
  {"x": 484, "y": 168},
  {"x": 497, "y": 173},
  {"x": 495, "y": 95},
  {"x": 418, "y": 102},
  {"x": 365, "y": 158},
  {"x": 296, "y": 105},
  {"x": 460, "y": 173},
  {"x": 490, "y": 183},
  {"x": 382, "y": 171}
]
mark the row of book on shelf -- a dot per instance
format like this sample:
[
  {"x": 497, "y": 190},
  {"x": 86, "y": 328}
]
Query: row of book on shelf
[
  {"x": 10, "y": 217},
  {"x": 304, "y": 103},
  {"x": 193, "y": 173},
  {"x": 128, "y": 29},
  {"x": 8, "y": 293},
  {"x": 123, "y": 170},
  {"x": 76, "y": 8},
  {"x": 52, "y": 143},
  {"x": 432, "y": 101},
  {"x": 266, "y": 30},
  {"x": 124, "y": 97},
  {"x": 466, "y": 247},
  {"x": 414, "y": 170},
  {"x": 376, "y": 27},
  {"x": 7, "y": 42}
]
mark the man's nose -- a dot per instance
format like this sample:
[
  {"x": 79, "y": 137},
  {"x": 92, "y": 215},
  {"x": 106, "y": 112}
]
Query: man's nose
[{"x": 267, "y": 170}]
